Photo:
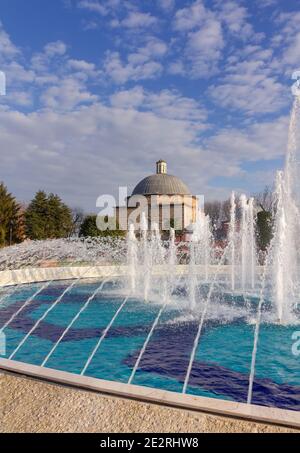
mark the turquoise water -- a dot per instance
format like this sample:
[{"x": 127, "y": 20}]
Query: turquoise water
[{"x": 223, "y": 358}]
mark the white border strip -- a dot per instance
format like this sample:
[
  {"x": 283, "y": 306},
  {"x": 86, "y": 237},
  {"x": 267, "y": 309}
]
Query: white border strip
[
  {"x": 188, "y": 402},
  {"x": 34, "y": 275}
]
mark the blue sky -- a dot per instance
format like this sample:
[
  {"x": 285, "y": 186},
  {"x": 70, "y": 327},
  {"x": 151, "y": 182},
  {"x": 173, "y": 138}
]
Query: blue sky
[{"x": 98, "y": 90}]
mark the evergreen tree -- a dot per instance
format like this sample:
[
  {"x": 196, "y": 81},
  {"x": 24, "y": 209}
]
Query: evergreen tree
[
  {"x": 10, "y": 218},
  {"x": 264, "y": 228},
  {"x": 89, "y": 229},
  {"x": 35, "y": 216},
  {"x": 47, "y": 217}
]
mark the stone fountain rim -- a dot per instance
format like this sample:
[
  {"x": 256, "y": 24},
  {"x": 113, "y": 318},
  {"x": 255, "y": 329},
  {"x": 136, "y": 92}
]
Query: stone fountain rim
[
  {"x": 250, "y": 412},
  {"x": 44, "y": 274}
]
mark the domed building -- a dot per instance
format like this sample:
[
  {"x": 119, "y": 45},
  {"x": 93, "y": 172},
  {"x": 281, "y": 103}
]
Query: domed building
[{"x": 164, "y": 199}]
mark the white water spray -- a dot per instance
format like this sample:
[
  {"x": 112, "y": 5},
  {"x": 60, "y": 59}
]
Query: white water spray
[
  {"x": 232, "y": 238},
  {"x": 285, "y": 248},
  {"x": 132, "y": 258}
]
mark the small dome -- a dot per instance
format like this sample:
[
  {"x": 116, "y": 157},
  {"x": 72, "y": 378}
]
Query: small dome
[{"x": 161, "y": 184}]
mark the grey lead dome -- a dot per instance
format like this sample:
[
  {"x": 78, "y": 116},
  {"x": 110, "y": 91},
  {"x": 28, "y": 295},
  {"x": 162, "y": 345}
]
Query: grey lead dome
[{"x": 161, "y": 184}]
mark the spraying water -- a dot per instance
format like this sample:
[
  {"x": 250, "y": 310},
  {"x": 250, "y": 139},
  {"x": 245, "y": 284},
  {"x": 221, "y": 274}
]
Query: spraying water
[
  {"x": 247, "y": 243},
  {"x": 285, "y": 249},
  {"x": 146, "y": 257},
  {"x": 192, "y": 275},
  {"x": 200, "y": 255},
  {"x": 232, "y": 235},
  {"x": 132, "y": 257}
]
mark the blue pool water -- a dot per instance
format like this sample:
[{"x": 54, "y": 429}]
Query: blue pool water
[{"x": 223, "y": 358}]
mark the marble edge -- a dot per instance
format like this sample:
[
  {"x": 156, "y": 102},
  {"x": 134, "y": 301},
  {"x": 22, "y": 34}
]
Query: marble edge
[{"x": 213, "y": 406}]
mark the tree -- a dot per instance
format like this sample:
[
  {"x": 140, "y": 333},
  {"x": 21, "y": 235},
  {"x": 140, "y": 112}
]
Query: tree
[
  {"x": 47, "y": 217},
  {"x": 61, "y": 216},
  {"x": 265, "y": 200},
  {"x": 10, "y": 218},
  {"x": 77, "y": 220},
  {"x": 218, "y": 212},
  {"x": 264, "y": 228},
  {"x": 89, "y": 229},
  {"x": 35, "y": 216}
]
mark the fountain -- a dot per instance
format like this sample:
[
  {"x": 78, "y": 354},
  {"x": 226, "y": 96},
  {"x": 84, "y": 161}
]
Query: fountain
[
  {"x": 284, "y": 256},
  {"x": 190, "y": 316},
  {"x": 231, "y": 238},
  {"x": 132, "y": 257},
  {"x": 242, "y": 245}
]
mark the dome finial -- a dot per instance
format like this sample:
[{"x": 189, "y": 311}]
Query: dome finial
[{"x": 161, "y": 167}]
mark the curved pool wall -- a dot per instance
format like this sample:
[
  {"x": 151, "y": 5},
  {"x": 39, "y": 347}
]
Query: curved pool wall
[
  {"x": 205, "y": 404},
  {"x": 34, "y": 275},
  {"x": 201, "y": 404}
]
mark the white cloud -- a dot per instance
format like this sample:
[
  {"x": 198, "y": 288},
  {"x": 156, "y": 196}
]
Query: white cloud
[
  {"x": 266, "y": 3},
  {"x": 292, "y": 54},
  {"x": 67, "y": 94},
  {"x": 202, "y": 30},
  {"x": 166, "y": 104},
  {"x": 20, "y": 98},
  {"x": 101, "y": 7},
  {"x": 251, "y": 82},
  {"x": 53, "y": 53},
  {"x": 16, "y": 73},
  {"x": 55, "y": 48},
  {"x": 263, "y": 97},
  {"x": 137, "y": 19},
  {"x": 82, "y": 69},
  {"x": 7, "y": 48},
  {"x": 93, "y": 6},
  {"x": 176, "y": 68},
  {"x": 170, "y": 104},
  {"x": 260, "y": 141},
  {"x": 76, "y": 154},
  {"x": 128, "y": 99},
  {"x": 50, "y": 78},
  {"x": 153, "y": 49},
  {"x": 235, "y": 16},
  {"x": 138, "y": 67},
  {"x": 206, "y": 32},
  {"x": 96, "y": 148},
  {"x": 75, "y": 136},
  {"x": 204, "y": 48},
  {"x": 287, "y": 41},
  {"x": 167, "y": 5},
  {"x": 207, "y": 39},
  {"x": 190, "y": 17},
  {"x": 143, "y": 63}
]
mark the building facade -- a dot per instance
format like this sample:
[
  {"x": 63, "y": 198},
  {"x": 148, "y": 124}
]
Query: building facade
[{"x": 161, "y": 199}]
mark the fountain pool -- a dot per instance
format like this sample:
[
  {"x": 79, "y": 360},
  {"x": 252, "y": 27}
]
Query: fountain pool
[{"x": 96, "y": 330}]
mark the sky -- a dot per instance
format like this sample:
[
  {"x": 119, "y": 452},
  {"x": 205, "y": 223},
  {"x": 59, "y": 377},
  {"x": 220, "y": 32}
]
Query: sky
[{"x": 98, "y": 90}]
